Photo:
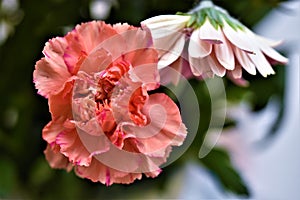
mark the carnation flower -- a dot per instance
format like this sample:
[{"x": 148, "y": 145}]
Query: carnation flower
[
  {"x": 104, "y": 123},
  {"x": 216, "y": 43}
]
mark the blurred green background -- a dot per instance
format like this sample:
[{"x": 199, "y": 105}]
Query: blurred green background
[{"x": 25, "y": 26}]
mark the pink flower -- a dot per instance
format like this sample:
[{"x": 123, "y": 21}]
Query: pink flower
[
  {"x": 212, "y": 42},
  {"x": 104, "y": 124}
]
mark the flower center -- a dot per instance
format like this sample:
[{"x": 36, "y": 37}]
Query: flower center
[
  {"x": 108, "y": 80},
  {"x": 130, "y": 103}
]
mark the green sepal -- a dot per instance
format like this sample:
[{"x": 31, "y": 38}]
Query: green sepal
[
  {"x": 216, "y": 18},
  {"x": 234, "y": 24},
  {"x": 191, "y": 21},
  {"x": 182, "y": 13},
  {"x": 213, "y": 22},
  {"x": 212, "y": 15},
  {"x": 201, "y": 16}
]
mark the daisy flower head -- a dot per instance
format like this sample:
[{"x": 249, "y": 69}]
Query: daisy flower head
[{"x": 213, "y": 43}]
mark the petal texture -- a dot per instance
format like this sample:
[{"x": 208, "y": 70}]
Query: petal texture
[{"x": 96, "y": 79}]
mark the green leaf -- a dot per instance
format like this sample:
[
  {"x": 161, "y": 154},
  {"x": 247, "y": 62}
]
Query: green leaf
[{"x": 218, "y": 161}]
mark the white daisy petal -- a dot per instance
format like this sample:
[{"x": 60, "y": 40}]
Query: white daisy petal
[
  {"x": 170, "y": 53},
  {"x": 269, "y": 42},
  {"x": 198, "y": 48},
  {"x": 258, "y": 58},
  {"x": 200, "y": 67},
  {"x": 224, "y": 54},
  {"x": 238, "y": 38},
  {"x": 233, "y": 76},
  {"x": 270, "y": 52},
  {"x": 215, "y": 66},
  {"x": 244, "y": 61},
  {"x": 261, "y": 63},
  {"x": 195, "y": 66},
  {"x": 237, "y": 72},
  {"x": 171, "y": 74},
  {"x": 164, "y": 25},
  {"x": 210, "y": 34}
]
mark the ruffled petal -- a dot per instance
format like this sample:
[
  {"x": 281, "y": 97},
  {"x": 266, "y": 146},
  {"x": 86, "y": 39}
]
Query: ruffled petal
[
  {"x": 139, "y": 162},
  {"x": 97, "y": 172},
  {"x": 93, "y": 33},
  {"x": 165, "y": 127},
  {"x": 123, "y": 27},
  {"x": 139, "y": 47},
  {"x": 56, "y": 159},
  {"x": 149, "y": 80},
  {"x": 97, "y": 61},
  {"x": 54, "y": 49},
  {"x": 60, "y": 104},
  {"x": 84, "y": 39},
  {"x": 61, "y": 113},
  {"x": 49, "y": 77},
  {"x": 120, "y": 99},
  {"x": 52, "y": 129},
  {"x": 72, "y": 147}
]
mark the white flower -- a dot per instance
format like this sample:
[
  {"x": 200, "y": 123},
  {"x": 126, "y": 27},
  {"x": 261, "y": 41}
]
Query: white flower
[
  {"x": 168, "y": 37},
  {"x": 218, "y": 44}
]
